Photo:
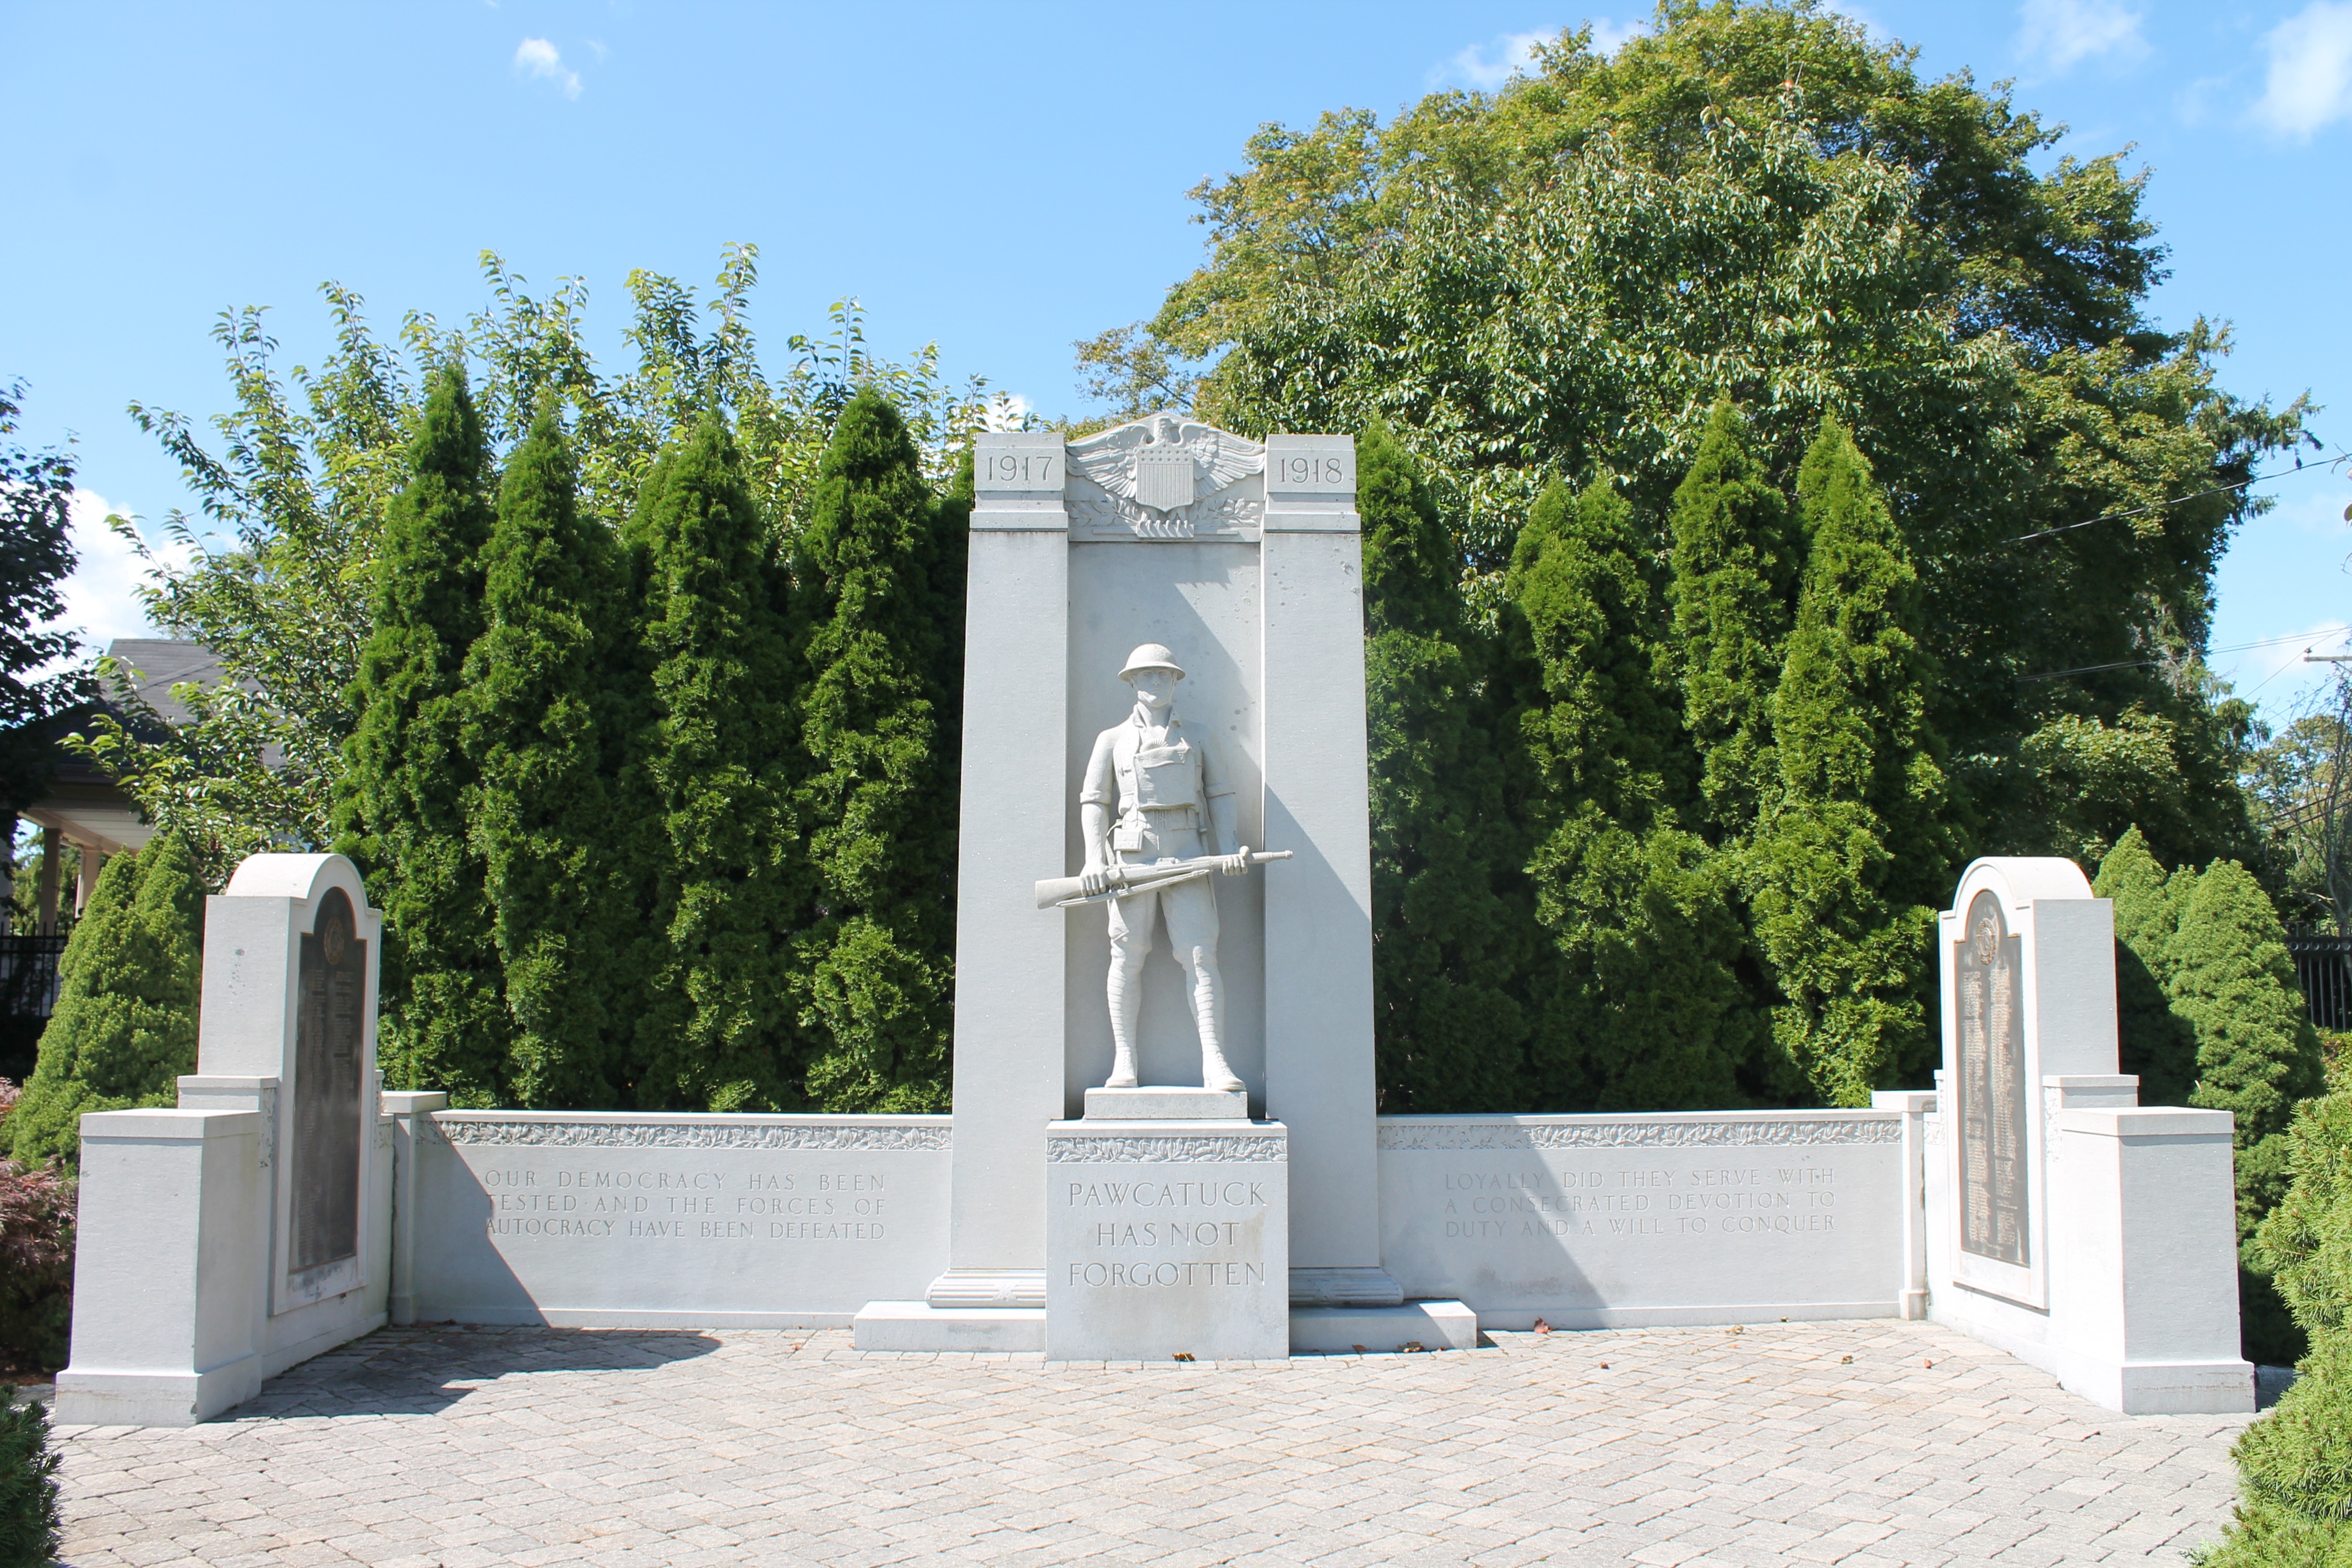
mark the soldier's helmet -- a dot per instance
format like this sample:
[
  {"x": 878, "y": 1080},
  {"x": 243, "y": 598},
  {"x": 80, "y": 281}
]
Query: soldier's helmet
[{"x": 1151, "y": 655}]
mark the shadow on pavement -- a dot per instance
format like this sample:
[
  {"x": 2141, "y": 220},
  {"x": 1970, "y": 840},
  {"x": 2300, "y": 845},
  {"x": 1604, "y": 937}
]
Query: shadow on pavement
[{"x": 425, "y": 1369}]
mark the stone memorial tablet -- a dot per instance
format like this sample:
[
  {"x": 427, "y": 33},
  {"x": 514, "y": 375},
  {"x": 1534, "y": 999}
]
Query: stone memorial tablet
[
  {"x": 330, "y": 1108},
  {"x": 1991, "y": 1088}
]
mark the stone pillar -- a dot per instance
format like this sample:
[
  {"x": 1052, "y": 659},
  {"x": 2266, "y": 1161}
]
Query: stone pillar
[
  {"x": 1009, "y": 957},
  {"x": 412, "y": 1118},
  {"x": 1319, "y": 905}
]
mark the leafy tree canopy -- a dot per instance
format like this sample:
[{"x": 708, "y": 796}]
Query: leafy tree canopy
[
  {"x": 292, "y": 500},
  {"x": 1758, "y": 202},
  {"x": 35, "y": 556}
]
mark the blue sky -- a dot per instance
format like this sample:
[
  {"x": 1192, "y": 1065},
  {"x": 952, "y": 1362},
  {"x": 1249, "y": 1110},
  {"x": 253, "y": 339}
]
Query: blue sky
[{"x": 1002, "y": 179}]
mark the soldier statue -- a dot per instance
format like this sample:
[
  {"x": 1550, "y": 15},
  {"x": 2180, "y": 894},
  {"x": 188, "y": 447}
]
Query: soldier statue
[{"x": 1174, "y": 803}]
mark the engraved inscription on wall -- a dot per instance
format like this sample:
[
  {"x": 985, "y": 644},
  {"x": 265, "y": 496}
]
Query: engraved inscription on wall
[
  {"x": 1781, "y": 1203},
  {"x": 1143, "y": 1231},
  {"x": 1991, "y": 1086},
  {"x": 686, "y": 1206},
  {"x": 330, "y": 1056}
]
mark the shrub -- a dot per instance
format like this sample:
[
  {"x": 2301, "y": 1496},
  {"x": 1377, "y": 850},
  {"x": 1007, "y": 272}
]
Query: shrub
[
  {"x": 28, "y": 1488},
  {"x": 36, "y": 1210},
  {"x": 125, "y": 1025},
  {"x": 2295, "y": 1464}
]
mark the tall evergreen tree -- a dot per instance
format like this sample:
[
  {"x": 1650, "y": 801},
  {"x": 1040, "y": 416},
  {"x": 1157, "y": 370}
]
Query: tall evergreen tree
[
  {"x": 401, "y": 806},
  {"x": 874, "y": 966},
  {"x": 1852, "y": 859},
  {"x": 543, "y": 813},
  {"x": 124, "y": 1029},
  {"x": 2156, "y": 1043},
  {"x": 1451, "y": 933},
  {"x": 707, "y": 778},
  {"x": 1640, "y": 1009},
  {"x": 1736, "y": 558},
  {"x": 2257, "y": 1057}
]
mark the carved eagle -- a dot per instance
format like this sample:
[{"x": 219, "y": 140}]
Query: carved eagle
[{"x": 1163, "y": 462}]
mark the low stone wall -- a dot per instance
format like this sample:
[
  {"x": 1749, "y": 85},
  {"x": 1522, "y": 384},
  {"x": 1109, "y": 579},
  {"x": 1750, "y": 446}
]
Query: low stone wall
[
  {"x": 616, "y": 1219},
  {"x": 1622, "y": 1221},
  {"x": 671, "y": 1221}
]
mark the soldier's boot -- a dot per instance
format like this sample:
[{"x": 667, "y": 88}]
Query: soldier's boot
[
  {"x": 1126, "y": 986},
  {"x": 1208, "y": 1013}
]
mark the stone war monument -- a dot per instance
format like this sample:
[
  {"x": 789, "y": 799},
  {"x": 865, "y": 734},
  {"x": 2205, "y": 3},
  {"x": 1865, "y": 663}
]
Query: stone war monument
[
  {"x": 2073, "y": 1227},
  {"x": 224, "y": 1241},
  {"x": 1163, "y": 1049},
  {"x": 1165, "y": 1140}
]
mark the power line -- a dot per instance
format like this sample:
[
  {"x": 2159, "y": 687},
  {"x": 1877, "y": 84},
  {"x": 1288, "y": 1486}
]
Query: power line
[
  {"x": 2143, "y": 663},
  {"x": 2300, "y": 468}
]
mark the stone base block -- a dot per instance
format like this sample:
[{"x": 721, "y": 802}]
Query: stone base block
[
  {"x": 1167, "y": 1104},
  {"x": 1166, "y": 1238},
  {"x": 919, "y": 1326},
  {"x": 153, "y": 1398},
  {"x": 1432, "y": 1325}
]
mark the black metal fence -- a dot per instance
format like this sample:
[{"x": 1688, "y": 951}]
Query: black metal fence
[
  {"x": 28, "y": 990},
  {"x": 2322, "y": 965}
]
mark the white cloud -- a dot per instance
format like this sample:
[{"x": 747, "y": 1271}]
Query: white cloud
[
  {"x": 2062, "y": 34},
  {"x": 1609, "y": 37},
  {"x": 101, "y": 601},
  {"x": 540, "y": 61},
  {"x": 1006, "y": 411},
  {"x": 2310, "y": 82},
  {"x": 1489, "y": 65}
]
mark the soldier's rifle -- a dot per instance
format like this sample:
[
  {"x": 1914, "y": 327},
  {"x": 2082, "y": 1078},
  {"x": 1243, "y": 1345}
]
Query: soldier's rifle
[{"x": 1068, "y": 892}]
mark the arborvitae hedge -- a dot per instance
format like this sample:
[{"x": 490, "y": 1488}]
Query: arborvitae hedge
[
  {"x": 543, "y": 817},
  {"x": 875, "y": 968},
  {"x": 402, "y": 807},
  {"x": 2157, "y": 1044},
  {"x": 124, "y": 1029},
  {"x": 708, "y": 795},
  {"x": 1451, "y": 931},
  {"x": 2257, "y": 1057},
  {"x": 1852, "y": 857},
  {"x": 1639, "y": 1007},
  {"x": 1735, "y": 560}
]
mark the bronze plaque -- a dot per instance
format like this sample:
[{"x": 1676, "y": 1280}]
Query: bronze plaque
[
  {"x": 1991, "y": 1086},
  {"x": 330, "y": 1108}
]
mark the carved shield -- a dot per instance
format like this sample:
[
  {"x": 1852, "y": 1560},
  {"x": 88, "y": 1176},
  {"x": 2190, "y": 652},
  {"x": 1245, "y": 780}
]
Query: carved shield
[{"x": 1163, "y": 480}]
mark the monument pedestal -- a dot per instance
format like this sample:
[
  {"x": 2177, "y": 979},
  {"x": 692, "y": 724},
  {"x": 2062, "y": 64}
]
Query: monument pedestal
[{"x": 1167, "y": 1237}]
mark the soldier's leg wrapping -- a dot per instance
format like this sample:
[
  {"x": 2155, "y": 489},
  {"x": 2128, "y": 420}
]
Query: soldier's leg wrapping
[
  {"x": 1131, "y": 920},
  {"x": 1191, "y": 909}
]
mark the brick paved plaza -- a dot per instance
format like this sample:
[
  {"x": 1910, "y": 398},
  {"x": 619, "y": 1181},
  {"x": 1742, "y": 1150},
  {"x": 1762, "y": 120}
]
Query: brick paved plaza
[{"x": 465, "y": 1446}]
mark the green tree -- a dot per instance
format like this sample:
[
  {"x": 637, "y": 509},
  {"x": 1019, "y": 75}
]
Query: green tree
[
  {"x": 1853, "y": 856},
  {"x": 125, "y": 1028},
  {"x": 2156, "y": 1043},
  {"x": 402, "y": 804},
  {"x": 2294, "y": 1465},
  {"x": 1735, "y": 560},
  {"x": 709, "y": 775},
  {"x": 2257, "y": 1057},
  {"x": 1761, "y": 202},
  {"x": 293, "y": 504},
  {"x": 35, "y": 556},
  {"x": 31, "y": 1519},
  {"x": 537, "y": 730},
  {"x": 1640, "y": 1009},
  {"x": 873, "y": 968},
  {"x": 1451, "y": 933}
]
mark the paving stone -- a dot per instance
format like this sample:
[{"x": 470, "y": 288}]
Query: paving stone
[{"x": 1697, "y": 1448}]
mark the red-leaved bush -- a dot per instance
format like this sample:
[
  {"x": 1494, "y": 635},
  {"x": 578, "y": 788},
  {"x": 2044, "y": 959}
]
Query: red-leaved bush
[{"x": 36, "y": 1215}]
